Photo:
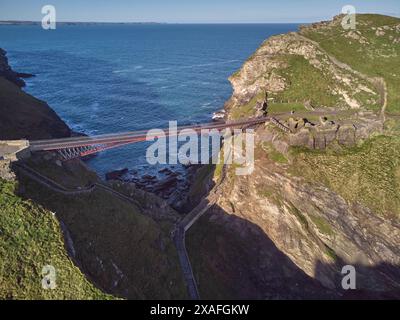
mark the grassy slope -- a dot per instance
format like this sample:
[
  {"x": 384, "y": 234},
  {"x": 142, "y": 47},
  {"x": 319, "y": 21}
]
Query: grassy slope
[
  {"x": 306, "y": 82},
  {"x": 105, "y": 228},
  {"x": 369, "y": 173},
  {"x": 30, "y": 238},
  {"x": 379, "y": 58}
]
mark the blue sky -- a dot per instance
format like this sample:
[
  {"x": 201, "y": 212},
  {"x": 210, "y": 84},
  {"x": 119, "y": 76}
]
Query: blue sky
[{"x": 195, "y": 11}]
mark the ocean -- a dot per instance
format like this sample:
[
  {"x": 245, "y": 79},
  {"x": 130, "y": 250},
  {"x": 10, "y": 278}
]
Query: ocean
[{"x": 122, "y": 77}]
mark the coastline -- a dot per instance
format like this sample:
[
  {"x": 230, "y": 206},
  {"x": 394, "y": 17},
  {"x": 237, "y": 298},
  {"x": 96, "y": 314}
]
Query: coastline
[
  {"x": 327, "y": 224},
  {"x": 24, "y": 116}
]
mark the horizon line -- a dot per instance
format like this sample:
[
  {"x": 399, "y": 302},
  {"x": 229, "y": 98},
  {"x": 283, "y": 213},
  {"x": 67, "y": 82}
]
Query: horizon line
[
  {"x": 155, "y": 22},
  {"x": 306, "y": 21}
]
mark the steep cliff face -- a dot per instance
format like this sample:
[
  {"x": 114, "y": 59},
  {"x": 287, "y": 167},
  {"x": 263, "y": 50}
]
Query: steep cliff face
[
  {"x": 324, "y": 192},
  {"x": 23, "y": 116},
  {"x": 314, "y": 226},
  {"x": 292, "y": 69}
]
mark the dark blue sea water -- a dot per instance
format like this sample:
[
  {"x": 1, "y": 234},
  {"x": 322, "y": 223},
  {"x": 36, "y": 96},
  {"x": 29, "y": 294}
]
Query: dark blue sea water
[{"x": 113, "y": 78}]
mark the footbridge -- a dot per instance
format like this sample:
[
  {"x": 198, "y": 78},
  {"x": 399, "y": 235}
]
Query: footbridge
[{"x": 78, "y": 147}]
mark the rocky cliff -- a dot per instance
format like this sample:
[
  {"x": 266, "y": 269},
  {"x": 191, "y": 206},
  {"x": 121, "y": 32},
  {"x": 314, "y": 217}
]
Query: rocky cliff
[
  {"x": 9, "y": 74},
  {"x": 21, "y": 115},
  {"x": 325, "y": 189}
]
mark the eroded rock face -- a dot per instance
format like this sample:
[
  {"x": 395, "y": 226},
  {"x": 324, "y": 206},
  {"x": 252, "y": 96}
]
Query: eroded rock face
[
  {"x": 5, "y": 171},
  {"x": 347, "y": 135},
  {"x": 315, "y": 227},
  {"x": 260, "y": 73}
]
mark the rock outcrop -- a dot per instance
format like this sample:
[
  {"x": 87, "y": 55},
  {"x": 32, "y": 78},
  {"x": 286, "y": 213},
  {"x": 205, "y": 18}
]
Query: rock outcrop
[
  {"x": 9, "y": 74},
  {"x": 319, "y": 135},
  {"x": 6, "y": 172},
  {"x": 116, "y": 174},
  {"x": 23, "y": 116},
  {"x": 262, "y": 72}
]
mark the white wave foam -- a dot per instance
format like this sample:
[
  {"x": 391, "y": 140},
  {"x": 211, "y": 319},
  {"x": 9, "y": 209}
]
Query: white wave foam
[
  {"x": 128, "y": 70},
  {"x": 192, "y": 66}
]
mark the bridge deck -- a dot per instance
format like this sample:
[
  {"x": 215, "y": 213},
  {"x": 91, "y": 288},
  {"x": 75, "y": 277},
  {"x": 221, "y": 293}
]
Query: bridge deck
[{"x": 129, "y": 137}]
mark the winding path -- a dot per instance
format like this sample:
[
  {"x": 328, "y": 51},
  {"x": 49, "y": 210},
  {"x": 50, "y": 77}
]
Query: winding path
[
  {"x": 56, "y": 187},
  {"x": 179, "y": 237},
  {"x": 178, "y": 233}
]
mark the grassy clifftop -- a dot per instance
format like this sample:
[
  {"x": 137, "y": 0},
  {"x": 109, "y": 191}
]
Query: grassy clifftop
[
  {"x": 323, "y": 65},
  {"x": 31, "y": 238},
  {"x": 373, "y": 48}
]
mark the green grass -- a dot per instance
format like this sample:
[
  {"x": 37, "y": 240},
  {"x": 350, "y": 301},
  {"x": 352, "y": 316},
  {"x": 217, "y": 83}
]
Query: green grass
[
  {"x": 369, "y": 173},
  {"x": 322, "y": 225},
  {"x": 272, "y": 194},
  {"x": 31, "y": 238},
  {"x": 265, "y": 192},
  {"x": 246, "y": 110},
  {"x": 300, "y": 217},
  {"x": 124, "y": 251},
  {"x": 219, "y": 167},
  {"x": 306, "y": 83},
  {"x": 285, "y": 107},
  {"x": 392, "y": 126},
  {"x": 274, "y": 154},
  {"x": 218, "y": 171},
  {"x": 277, "y": 157},
  {"x": 71, "y": 175},
  {"x": 379, "y": 58},
  {"x": 331, "y": 253}
]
